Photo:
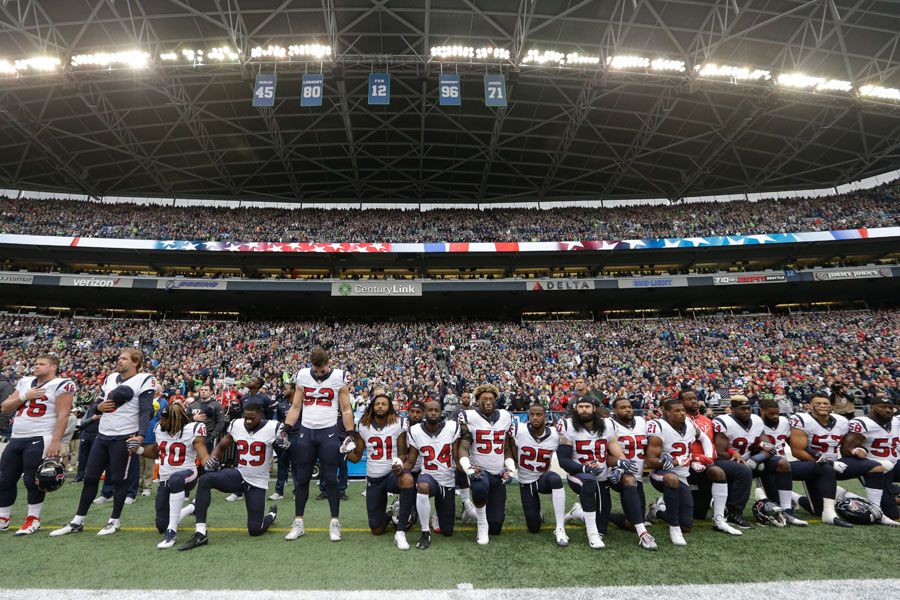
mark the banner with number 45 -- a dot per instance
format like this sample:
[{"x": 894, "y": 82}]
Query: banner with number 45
[{"x": 264, "y": 90}]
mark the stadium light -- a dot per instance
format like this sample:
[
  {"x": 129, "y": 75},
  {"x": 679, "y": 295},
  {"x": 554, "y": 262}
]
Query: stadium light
[
  {"x": 315, "y": 51},
  {"x": 484, "y": 53},
  {"x": 7, "y": 68},
  {"x": 133, "y": 59},
  {"x": 667, "y": 65},
  {"x": 37, "y": 63},
  {"x": 820, "y": 84},
  {"x": 222, "y": 53},
  {"x": 536, "y": 57},
  {"x": 168, "y": 56},
  {"x": 876, "y": 91},
  {"x": 628, "y": 62},
  {"x": 732, "y": 72},
  {"x": 573, "y": 58}
]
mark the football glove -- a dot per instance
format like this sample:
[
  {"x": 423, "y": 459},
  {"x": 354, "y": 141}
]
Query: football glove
[
  {"x": 628, "y": 466},
  {"x": 697, "y": 467},
  {"x": 133, "y": 444},
  {"x": 509, "y": 466},
  {"x": 593, "y": 470},
  {"x": 667, "y": 463},
  {"x": 684, "y": 460},
  {"x": 348, "y": 445},
  {"x": 212, "y": 464},
  {"x": 757, "y": 462},
  {"x": 282, "y": 442},
  {"x": 839, "y": 467},
  {"x": 615, "y": 475},
  {"x": 766, "y": 446}
]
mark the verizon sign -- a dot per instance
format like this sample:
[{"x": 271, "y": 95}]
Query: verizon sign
[
  {"x": 96, "y": 282},
  {"x": 556, "y": 285},
  {"x": 749, "y": 279}
]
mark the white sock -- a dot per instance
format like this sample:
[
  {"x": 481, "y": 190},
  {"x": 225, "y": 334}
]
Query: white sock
[
  {"x": 481, "y": 516},
  {"x": 34, "y": 510},
  {"x": 795, "y": 497},
  {"x": 423, "y": 507},
  {"x": 578, "y": 512},
  {"x": 176, "y": 500},
  {"x": 675, "y": 529},
  {"x": 187, "y": 510},
  {"x": 590, "y": 522},
  {"x": 78, "y": 519},
  {"x": 784, "y": 499},
  {"x": 465, "y": 495},
  {"x": 639, "y": 527},
  {"x": 5, "y": 511},
  {"x": 720, "y": 497},
  {"x": 873, "y": 494},
  {"x": 114, "y": 522},
  {"x": 828, "y": 514},
  {"x": 201, "y": 528},
  {"x": 559, "y": 506}
]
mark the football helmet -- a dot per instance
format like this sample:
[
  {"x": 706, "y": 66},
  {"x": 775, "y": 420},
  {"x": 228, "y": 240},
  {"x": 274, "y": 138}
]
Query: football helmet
[
  {"x": 395, "y": 515},
  {"x": 768, "y": 513},
  {"x": 858, "y": 511},
  {"x": 50, "y": 475}
]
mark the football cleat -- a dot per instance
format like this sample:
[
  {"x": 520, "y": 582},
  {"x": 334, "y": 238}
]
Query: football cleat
[
  {"x": 435, "y": 523},
  {"x": 482, "y": 535},
  {"x": 838, "y": 522},
  {"x": 297, "y": 530},
  {"x": 129, "y": 500},
  {"x": 676, "y": 536},
  {"x": 737, "y": 520},
  {"x": 658, "y": 505},
  {"x": 595, "y": 540},
  {"x": 273, "y": 510},
  {"x": 67, "y": 529},
  {"x": 647, "y": 542},
  {"x": 276, "y": 496},
  {"x": 102, "y": 499},
  {"x": 884, "y": 521},
  {"x": 400, "y": 540},
  {"x": 720, "y": 524},
  {"x": 562, "y": 540},
  {"x": 790, "y": 519},
  {"x": 4, "y": 523},
  {"x": 145, "y": 492},
  {"x": 334, "y": 530},
  {"x": 31, "y": 525},
  {"x": 232, "y": 498},
  {"x": 197, "y": 540},
  {"x": 575, "y": 514},
  {"x": 110, "y": 528},
  {"x": 168, "y": 541},
  {"x": 424, "y": 541}
]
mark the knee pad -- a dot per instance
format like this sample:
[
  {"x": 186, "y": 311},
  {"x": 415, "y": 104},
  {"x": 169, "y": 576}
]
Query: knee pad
[{"x": 554, "y": 480}]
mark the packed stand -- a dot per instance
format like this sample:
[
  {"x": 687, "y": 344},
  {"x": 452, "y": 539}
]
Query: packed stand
[{"x": 876, "y": 207}]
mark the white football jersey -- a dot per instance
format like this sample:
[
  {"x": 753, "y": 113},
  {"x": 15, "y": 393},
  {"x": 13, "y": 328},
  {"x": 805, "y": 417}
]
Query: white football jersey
[
  {"x": 436, "y": 451},
  {"x": 38, "y": 417},
  {"x": 255, "y": 450},
  {"x": 739, "y": 437},
  {"x": 780, "y": 433},
  {"x": 321, "y": 408},
  {"x": 588, "y": 446},
  {"x": 824, "y": 440},
  {"x": 675, "y": 443},
  {"x": 381, "y": 446},
  {"x": 406, "y": 427},
  {"x": 880, "y": 442},
  {"x": 124, "y": 419},
  {"x": 177, "y": 452},
  {"x": 633, "y": 441},
  {"x": 488, "y": 438},
  {"x": 534, "y": 454}
]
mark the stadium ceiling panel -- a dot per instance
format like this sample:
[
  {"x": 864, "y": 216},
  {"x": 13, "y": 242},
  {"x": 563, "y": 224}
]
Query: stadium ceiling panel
[{"x": 188, "y": 130}]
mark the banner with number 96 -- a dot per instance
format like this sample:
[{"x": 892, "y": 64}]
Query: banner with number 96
[{"x": 449, "y": 90}]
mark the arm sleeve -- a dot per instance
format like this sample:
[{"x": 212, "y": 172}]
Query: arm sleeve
[
  {"x": 706, "y": 443},
  {"x": 571, "y": 466},
  {"x": 145, "y": 411}
]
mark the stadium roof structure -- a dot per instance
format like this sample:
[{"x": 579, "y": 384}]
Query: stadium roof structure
[{"x": 184, "y": 127}]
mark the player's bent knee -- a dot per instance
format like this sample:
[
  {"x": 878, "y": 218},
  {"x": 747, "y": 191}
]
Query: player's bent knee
[
  {"x": 671, "y": 480},
  {"x": 406, "y": 481},
  {"x": 629, "y": 480},
  {"x": 715, "y": 474},
  {"x": 423, "y": 488},
  {"x": 783, "y": 466}
]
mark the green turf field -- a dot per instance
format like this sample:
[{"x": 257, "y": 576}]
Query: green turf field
[{"x": 515, "y": 559}]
